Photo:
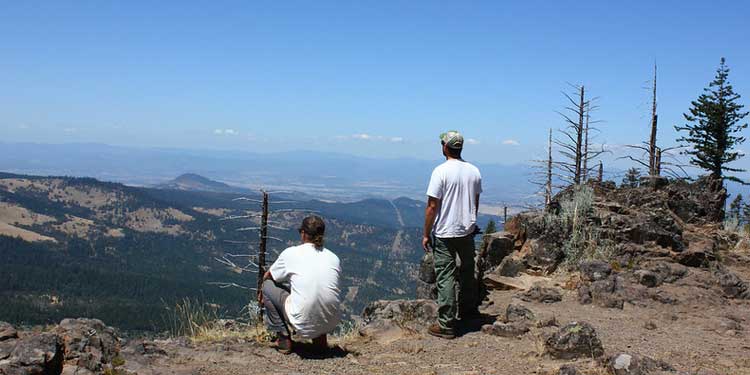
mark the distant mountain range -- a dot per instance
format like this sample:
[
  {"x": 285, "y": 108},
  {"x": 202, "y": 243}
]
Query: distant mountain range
[{"x": 326, "y": 176}]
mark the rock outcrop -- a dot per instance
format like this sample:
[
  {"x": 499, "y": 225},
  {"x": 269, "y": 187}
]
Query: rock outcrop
[
  {"x": 79, "y": 346},
  {"x": 574, "y": 340}
]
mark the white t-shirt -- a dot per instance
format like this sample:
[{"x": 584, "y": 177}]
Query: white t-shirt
[
  {"x": 313, "y": 276},
  {"x": 456, "y": 183}
]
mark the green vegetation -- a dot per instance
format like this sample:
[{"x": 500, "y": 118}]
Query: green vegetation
[
  {"x": 632, "y": 178},
  {"x": 713, "y": 123},
  {"x": 573, "y": 223},
  {"x": 491, "y": 227}
]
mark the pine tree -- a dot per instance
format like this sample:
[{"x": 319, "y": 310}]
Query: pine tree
[
  {"x": 631, "y": 178},
  {"x": 491, "y": 227},
  {"x": 712, "y": 127},
  {"x": 735, "y": 207}
]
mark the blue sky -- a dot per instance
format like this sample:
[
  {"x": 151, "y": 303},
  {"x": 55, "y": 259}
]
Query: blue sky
[{"x": 369, "y": 78}]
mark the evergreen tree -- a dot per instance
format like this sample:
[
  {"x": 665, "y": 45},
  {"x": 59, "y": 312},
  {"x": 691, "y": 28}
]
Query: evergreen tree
[
  {"x": 745, "y": 215},
  {"x": 491, "y": 227},
  {"x": 712, "y": 127},
  {"x": 735, "y": 207},
  {"x": 631, "y": 178}
]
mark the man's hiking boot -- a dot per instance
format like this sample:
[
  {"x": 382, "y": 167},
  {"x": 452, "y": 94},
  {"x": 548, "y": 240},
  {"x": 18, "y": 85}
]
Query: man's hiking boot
[
  {"x": 284, "y": 345},
  {"x": 472, "y": 314},
  {"x": 438, "y": 331}
]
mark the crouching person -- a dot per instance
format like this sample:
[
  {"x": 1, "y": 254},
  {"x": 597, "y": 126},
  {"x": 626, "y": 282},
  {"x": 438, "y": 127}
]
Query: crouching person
[{"x": 300, "y": 291}]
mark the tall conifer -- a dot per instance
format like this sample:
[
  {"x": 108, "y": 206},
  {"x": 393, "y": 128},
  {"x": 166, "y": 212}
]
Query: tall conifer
[{"x": 713, "y": 127}]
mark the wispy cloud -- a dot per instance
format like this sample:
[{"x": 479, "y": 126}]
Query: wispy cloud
[
  {"x": 511, "y": 142},
  {"x": 472, "y": 141},
  {"x": 370, "y": 137},
  {"x": 226, "y": 132},
  {"x": 70, "y": 130}
]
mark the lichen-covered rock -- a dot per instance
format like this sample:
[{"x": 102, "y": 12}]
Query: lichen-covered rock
[
  {"x": 568, "y": 370},
  {"x": 510, "y": 267},
  {"x": 89, "y": 343},
  {"x": 542, "y": 256},
  {"x": 633, "y": 364},
  {"x": 541, "y": 294},
  {"x": 574, "y": 340},
  {"x": 420, "y": 311},
  {"x": 427, "y": 268},
  {"x": 731, "y": 284},
  {"x": 512, "y": 329},
  {"x": 7, "y": 331},
  {"x": 35, "y": 354},
  {"x": 594, "y": 270},
  {"x": 518, "y": 312},
  {"x": 667, "y": 272},
  {"x": 647, "y": 278}
]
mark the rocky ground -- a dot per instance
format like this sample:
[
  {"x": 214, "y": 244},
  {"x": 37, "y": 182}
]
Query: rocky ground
[{"x": 669, "y": 297}]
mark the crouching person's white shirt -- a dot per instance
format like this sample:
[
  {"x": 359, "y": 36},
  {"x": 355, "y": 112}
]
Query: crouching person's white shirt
[{"x": 313, "y": 276}]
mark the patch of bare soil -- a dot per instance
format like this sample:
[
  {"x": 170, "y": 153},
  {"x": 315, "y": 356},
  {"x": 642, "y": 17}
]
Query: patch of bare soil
[
  {"x": 152, "y": 220},
  {"x": 16, "y": 215},
  {"x": 218, "y": 212},
  {"x": 27, "y": 235}
]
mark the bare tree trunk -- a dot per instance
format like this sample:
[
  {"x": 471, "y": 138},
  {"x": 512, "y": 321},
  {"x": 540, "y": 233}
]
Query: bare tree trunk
[
  {"x": 262, "y": 247},
  {"x": 657, "y": 163},
  {"x": 548, "y": 185},
  {"x": 579, "y": 142},
  {"x": 585, "y": 155},
  {"x": 653, "y": 169},
  {"x": 601, "y": 172}
]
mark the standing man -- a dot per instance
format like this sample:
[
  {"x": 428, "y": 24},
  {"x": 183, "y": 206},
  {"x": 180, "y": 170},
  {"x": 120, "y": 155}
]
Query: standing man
[{"x": 449, "y": 228}]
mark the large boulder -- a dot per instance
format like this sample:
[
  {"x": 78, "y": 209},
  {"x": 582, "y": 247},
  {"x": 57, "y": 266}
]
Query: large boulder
[
  {"x": 542, "y": 256},
  {"x": 89, "y": 343},
  {"x": 495, "y": 247},
  {"x": 387, "y": 321},
  {"x": 574, "y": 340},
  {"x": 38, "y": 354}
]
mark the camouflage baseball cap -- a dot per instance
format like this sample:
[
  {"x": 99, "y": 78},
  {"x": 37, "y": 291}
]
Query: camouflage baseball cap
[{"x": 452, "y": 139}]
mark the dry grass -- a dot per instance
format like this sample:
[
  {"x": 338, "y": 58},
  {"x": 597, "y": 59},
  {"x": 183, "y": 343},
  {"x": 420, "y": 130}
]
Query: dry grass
[{"x": 217, "y": 331}]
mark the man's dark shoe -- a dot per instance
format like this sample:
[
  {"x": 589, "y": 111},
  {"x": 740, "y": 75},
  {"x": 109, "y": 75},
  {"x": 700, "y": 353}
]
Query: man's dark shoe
[
  {"x": 438, "y": 331},
  {"x": 284, "y": 345}
]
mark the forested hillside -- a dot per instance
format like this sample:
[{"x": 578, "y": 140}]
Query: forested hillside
[{"x": 81, "y": 247}]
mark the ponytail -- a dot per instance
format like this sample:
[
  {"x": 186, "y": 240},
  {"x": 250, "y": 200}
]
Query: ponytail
[{"x": 317, "y": 240}]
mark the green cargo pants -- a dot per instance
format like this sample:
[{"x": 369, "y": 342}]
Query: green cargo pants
[{"x": 445, "y": 251}]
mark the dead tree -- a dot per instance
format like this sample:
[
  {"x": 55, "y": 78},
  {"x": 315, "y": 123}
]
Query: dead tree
[
  {"x": 543, "y": 176},
  {"x": 548, "y": 185},
  {"x": 651, "y": 153},
  {"x": 254, "y": 261},
  {"x": 653, "y": 168},
  {"x": 575, "y": 146}
]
